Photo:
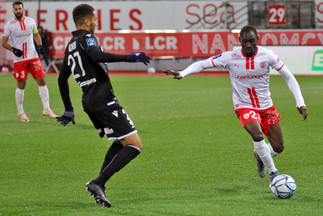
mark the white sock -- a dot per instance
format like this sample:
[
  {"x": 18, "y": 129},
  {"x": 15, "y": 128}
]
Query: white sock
[
  {"x": 44, "y": 95},
  {"x": 272, "y": 152},
  {"x": 20, "y": 100},
  {"x": 263, "y": 152}
]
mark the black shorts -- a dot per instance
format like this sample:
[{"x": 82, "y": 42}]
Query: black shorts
[{"x": 116, "y": 124}]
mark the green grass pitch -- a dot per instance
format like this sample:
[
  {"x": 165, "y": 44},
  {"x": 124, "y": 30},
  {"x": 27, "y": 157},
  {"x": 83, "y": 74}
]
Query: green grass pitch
[{"x": 197, "y": 159}]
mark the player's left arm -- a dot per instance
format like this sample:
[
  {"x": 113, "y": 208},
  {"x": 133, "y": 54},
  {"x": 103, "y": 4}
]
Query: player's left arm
[
  {"x": 38, "y": 41},
  {"x": 95, "y": 52},
  {"x": 37, "y": 37},
  {"x": 295, "y": 89}
]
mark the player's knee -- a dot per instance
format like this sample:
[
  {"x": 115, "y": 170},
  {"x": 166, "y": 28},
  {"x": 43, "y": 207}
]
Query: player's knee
[
  {"x": 257, "y": 136},
  {"x": 279, "y": 148},
  {"x": 138, "y": 144},
  {"x": 41, "y": 81},
  {"x": 132, "y": 140},
  {"x": 136, "y": 141}
]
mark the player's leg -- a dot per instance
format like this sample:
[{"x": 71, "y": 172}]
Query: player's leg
[
  {"x": 20, "y": 95},
  {"x": 96, "y": 190},
  {"x": 272, "y": 129},
  {"x": 254, "y": 129},
  {"x": 261, "y": 147},
  {"x": 114, "y": 149},
  {"x": 116, "y": 125},
  {"x": 43, "y": 92},
  {"x": 276, "y": 141},
  {"x": 132, "y": 148},
  {"x": 44, "y": 95},
  {"x": 20, "y": 75},
  {"x": 37, "y": 71},
  {"x": 250, "y": 120},
  {"x": 20, "y": 91}
]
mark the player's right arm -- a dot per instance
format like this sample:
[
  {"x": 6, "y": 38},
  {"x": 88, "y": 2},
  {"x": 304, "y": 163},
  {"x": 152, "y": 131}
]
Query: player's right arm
[
  {"x": 196, "y": 67},
  {"x": 63, "y": 85},
  {"x": 7, "y": 46},
  {"x": 5, "y": 42},
  {"x": 68, "y": 114}
]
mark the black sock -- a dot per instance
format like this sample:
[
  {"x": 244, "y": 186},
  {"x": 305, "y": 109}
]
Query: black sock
[
  {"x": 117, "y": 163},
  {"x": 112, "y": 151}
]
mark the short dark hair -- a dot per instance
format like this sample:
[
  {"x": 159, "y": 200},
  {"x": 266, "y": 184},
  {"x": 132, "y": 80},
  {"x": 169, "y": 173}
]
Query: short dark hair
[
  {"x": 17, "y": 3},
  {"x": 81, "y": 12},
  {"x": 248, "y": 28}
]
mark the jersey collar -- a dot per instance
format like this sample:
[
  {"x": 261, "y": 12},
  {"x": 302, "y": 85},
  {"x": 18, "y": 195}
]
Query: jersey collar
[
  {"x": 23, "y": 18},
  {"x": 250, "y": 56}
]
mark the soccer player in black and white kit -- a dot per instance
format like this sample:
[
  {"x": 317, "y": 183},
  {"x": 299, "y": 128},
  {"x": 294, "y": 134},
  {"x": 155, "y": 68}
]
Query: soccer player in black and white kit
[{"x": 86, "y": 61}]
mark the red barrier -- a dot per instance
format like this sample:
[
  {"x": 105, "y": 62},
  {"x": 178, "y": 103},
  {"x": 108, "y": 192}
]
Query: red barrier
[{"x": 186, "y": 44}]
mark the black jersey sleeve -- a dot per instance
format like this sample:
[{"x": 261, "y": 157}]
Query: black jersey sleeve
[
  {"x": 97, "y": 55},
  {"x": 64, "y": 87},
  {"x": 91, "y": 47}
]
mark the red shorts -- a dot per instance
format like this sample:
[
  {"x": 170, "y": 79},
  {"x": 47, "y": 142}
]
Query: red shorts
[
  {"x": 33, "y": 66},
  {"x": 266, "y": 117}
]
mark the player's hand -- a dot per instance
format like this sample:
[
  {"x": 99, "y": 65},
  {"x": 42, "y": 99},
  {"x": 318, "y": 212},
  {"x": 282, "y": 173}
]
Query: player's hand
[
  {"x": 41, "y": 50},
  {"x": 17, "y": 52},
  {"x": 303, "y": 111},
  {"x": 66, "y": 118},
  {"x": 176, "y": 74},
  {"x": 138, "y": 57}
]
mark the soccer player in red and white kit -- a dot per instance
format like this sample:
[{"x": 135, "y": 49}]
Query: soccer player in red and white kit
[
  {"x": 23, "y": 31},
  {"x": 249, "y": 68}
]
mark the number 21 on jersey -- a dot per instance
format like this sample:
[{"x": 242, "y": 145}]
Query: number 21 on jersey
[{"x": 75, "y": 60}]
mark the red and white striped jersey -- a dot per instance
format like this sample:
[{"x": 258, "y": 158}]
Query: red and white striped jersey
[
  {"x": 21, "y": 35},
  {"x": 249, "y": 76}
]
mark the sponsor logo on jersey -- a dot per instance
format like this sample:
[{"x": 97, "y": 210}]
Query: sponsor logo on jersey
[
  {"x": 248, "y": 77},
  {"x": 217, "y": 56},
  {"x": 263, "y": 64},
  {"x": 246, "y": 116},
  {"x": 234, "y": 55},
  {"x": 115, "y": 113},
  {"x": 90, "y": 42},
  {"x": 87, "y": 82},
  {"x": 108, "y": 131}
]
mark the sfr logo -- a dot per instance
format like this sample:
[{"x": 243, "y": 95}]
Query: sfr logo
[{"x": 318, "y": 60}]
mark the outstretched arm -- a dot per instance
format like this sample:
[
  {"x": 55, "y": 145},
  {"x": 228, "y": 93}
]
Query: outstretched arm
[
  {"x": 176, "y": 74},
  {"x": 295, "y": 89},
  {"x": 97, "y": 55},
  {"x": 193, "y": 68}
]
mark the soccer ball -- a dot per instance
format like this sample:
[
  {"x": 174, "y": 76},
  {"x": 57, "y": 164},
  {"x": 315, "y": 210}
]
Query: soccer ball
[
  {"x": 283, "y": 186},
  {"x": 151, "y": 70}
]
